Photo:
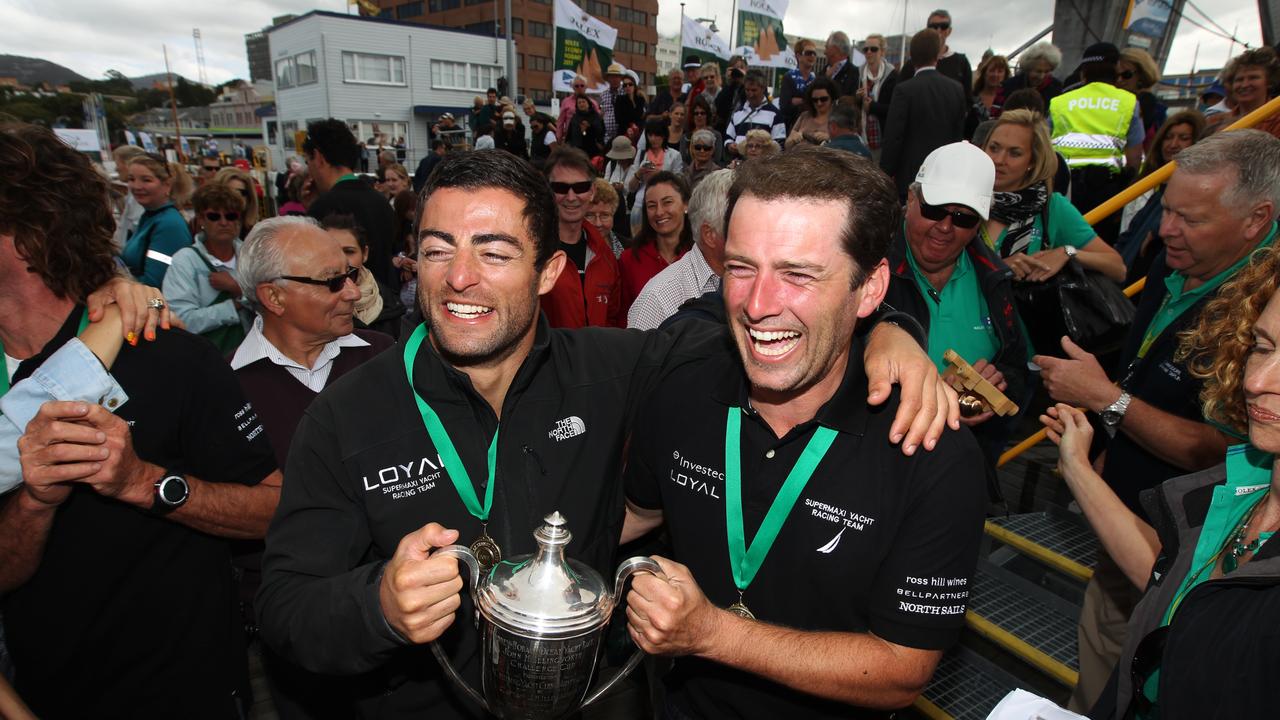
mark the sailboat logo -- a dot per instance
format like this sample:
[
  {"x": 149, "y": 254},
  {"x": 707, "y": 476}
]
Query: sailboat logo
[{"x": 833, "y": 542}]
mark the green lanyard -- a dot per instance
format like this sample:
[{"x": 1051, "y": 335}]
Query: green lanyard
[
  {"x": 444, "y": 445},
  {"x": 745, "y": 562},
  {"x": 4, "y": 376},
  {"x": 348, "y": 176},
  {"x": 1152, "y": 334}
]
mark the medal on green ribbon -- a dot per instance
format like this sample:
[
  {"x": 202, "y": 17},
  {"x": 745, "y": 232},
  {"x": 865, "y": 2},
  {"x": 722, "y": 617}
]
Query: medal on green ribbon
[
  {"x": 745, "y": 561},
  {"x": 484, "y": 547}
]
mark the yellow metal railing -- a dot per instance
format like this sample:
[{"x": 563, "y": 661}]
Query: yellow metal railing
[{"x": 1110, "y": 207}]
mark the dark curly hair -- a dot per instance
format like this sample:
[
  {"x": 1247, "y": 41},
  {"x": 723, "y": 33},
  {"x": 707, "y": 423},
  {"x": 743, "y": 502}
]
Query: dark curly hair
[
  {"x": 55, "y": 205},
  {"x": 332, "y": 139}
]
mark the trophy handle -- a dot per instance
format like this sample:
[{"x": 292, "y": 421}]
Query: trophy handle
[
  {"x": 463, "y": 554},
  {"x": 629, "y": 567}
]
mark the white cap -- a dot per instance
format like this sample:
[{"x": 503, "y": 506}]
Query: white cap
[{"x": 958, "y": 174}]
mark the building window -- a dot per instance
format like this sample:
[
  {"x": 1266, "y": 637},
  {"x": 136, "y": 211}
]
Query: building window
[
  {"x": 597, "y": 8},
  {"x": 442, "y": 5},
  {"x": 540, "y": 95},
  {"x": 288, "y": 131},
  {"x": 484, "y": 27},
  {"x": 366, "y": 68},
  {"x": 636, "y": 17},
  {"x": 449, "y": 75},
  {"x": 386, "y": 13},
  {"x": 517, "y": 26},
  {"x": 409, "y": 9},
  {"x": 520, "y": 61},
  {"x": 540, "y": 63},
  {"x": 286, "y": 73},
  {"x": 306, "y": 64},
  {"x": 543, "y": 2},
  {"x": 634, "y": 47},
  {"x": 378, "y": 133},
  {"x": 474, "y": 2},
  {"x": 537, "y": 29}
]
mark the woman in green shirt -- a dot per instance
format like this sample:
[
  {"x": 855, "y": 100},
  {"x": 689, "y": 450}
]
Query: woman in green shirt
[
  {"x": 1212, "y": 577},
  {"x": 1024, "y": 202}
]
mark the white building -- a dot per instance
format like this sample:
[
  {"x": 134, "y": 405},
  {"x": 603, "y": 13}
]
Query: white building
[
  {"x": 667, "y": 54},
  {"x": 387, "y": 80}
]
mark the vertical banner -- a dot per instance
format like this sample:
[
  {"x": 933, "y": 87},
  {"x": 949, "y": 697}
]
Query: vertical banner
[
  {"x": 583, "y": 45},
  {"x": 1148, "y": 17},
  {"x": 697, "y": 39},
  {"x": 760, "y": 39}
]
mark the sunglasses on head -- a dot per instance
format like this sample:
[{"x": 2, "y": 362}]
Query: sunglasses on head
[
  {"x": 215, "y": 216},
  {"x": 940, "y": 27},
  {"x": 578, "y": 188},
  {"x": 335, "y": 283},
  {"x": 960, "y": 218}
]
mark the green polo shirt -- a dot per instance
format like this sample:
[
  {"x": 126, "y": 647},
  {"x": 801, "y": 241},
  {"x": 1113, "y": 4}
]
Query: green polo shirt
[
  {"x": 1248, "y": 474},
  {"x": 1178, "y": 301},
  {"x": 1066, "y": 227},
  {"x": 958, "y": 315}
]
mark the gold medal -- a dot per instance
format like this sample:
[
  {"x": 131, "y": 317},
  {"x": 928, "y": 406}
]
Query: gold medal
[{"x": 486, "y": 551}]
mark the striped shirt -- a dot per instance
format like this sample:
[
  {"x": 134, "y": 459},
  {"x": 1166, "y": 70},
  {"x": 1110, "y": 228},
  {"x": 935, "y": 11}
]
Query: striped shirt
[
  {"x": 685, "y": 279},
  {"x": 764, "y": 116}
]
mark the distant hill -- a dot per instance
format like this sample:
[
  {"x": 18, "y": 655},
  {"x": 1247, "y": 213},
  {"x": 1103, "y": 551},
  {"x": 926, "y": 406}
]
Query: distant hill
[
  {"x": 32, "y": 71},
  {"x": 146, "y": 82}
]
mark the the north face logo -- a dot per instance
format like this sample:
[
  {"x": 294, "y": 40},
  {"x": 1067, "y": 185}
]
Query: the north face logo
[{"x": 571, "y": 426}]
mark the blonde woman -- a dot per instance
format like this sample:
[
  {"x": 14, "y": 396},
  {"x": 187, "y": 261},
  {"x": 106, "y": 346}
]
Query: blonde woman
[
  {"x": 1137, "y": 72},
  {"x": 242, "y": 183},
  {"x": 157, "y": 185}
]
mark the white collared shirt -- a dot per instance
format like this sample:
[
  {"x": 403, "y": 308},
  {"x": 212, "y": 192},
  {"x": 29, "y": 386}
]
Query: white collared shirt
[
  {"x": 256, "y": 346},
  {"x": 685, "y": 279}
]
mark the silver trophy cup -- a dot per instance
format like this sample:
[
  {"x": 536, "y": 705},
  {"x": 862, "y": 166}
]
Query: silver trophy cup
[{"x": 541, "y": 619}]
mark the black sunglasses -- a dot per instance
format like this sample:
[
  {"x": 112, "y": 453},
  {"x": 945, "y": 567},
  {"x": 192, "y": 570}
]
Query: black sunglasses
[
  {"x": 215, "y": 217},
  {"x": 870, "y": 49},
  {"x": 940, "y": 27},
  {"x": 821, "y": 98},
  {"x": 210, "y": 168},
  {"x": 335, "y": 283},
  {"x": 579, "y": 188},
  {"x": 1126, "y": 75},
  {"x": 702, "y": 147},
  {"x": 959, "y": 218}
]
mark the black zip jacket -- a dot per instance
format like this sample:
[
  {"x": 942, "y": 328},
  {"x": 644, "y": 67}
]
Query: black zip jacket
[
  {"x": 363, "y": 473},
  {"x": 1221, "y": 652},
  {"x": 996, "y": 281}
]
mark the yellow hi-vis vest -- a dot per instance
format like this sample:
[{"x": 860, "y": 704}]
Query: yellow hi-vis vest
[{"x": 1091, "y": 124}]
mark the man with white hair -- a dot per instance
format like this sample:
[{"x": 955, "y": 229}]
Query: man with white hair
[
  {"x": 839, "y": 68},
  {"x": 699, "y": 270},
  {"x": 569, "y": 105}
]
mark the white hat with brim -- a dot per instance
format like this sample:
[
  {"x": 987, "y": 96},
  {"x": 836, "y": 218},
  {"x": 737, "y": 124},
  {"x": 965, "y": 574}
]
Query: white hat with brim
[{"x": 958, "y": 174}]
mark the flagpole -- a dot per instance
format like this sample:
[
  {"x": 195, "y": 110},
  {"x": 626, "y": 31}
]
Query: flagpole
[
  {"x": 733, "y": 27},
  {"x": 680, "y": 60}
]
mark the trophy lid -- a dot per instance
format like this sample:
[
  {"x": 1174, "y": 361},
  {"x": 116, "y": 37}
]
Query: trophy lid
[{"x": 546, "y": 594}]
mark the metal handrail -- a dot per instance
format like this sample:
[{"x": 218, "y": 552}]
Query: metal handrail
[{"x": 1110, "y": 207}]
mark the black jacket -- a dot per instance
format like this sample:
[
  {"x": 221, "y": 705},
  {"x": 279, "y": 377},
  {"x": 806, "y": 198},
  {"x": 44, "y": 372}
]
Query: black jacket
[
  {"x": 1220, "y": 653},
  {"x": 996, "y": 281},
  {"x": 847, "y": 79},
  {"x": 363, "y": 473},
  {"x": 926, "y": 113},
  {"x": 375, "y": 216}
]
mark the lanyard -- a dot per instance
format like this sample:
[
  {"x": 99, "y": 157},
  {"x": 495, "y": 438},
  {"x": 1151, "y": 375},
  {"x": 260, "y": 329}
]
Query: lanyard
[
  {"x": 444, "y": 445},
  {"x": 745, "y": 562},
  {"x": 4, "y": 376},
  {"x": 348, "y": 176},
  {"x": 1152, "y": 333}
]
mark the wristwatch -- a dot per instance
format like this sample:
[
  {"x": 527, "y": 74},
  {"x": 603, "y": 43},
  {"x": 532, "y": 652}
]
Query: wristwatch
[
  {"x": 171, "y": 493},
  {"x": 1114, "y": 413},
  {"x": 1070, "y": 250}
]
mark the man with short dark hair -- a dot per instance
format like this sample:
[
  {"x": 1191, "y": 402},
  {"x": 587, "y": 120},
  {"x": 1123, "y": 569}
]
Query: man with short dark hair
[
  {"x": 428, "y": 163},
  {"x": 489, "y": 110},
  {"x": 927, "y": 112},
  {"x": 860, "y": 559},
  {"x": 756, "y": 113},
  {"x": 731, "y": 95},
  {"x": 950, "y": 63},
  {"x": 332, "y": 152},
  {"x": 350, "y": 582},
  {"x": 589, "y": 291}
]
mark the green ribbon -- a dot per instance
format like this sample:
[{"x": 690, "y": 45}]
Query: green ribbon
[
  {"x": 444, "y": 445},
  {"x": 745, "y": 562},
  {"x": 4, "y": 376}
]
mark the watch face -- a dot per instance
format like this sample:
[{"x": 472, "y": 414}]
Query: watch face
[{"x": 173, "y": 490}]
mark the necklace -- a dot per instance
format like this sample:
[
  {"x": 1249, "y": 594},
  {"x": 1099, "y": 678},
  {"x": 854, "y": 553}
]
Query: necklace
[{"x": 1236, "y": 546}]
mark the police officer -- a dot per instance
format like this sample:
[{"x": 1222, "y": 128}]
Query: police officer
[{"x": 1098, "y": 129}]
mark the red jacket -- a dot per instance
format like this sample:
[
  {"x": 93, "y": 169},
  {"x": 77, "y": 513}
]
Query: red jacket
[
  {"x": 565, "y": 305},
  {"x": 638, "y": 266}
]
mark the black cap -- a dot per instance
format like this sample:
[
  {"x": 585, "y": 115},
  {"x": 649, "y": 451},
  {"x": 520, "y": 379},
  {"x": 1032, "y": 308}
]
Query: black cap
[
  {"x": 692, "y": 61},
  {"x": 1101, "y": 53}
]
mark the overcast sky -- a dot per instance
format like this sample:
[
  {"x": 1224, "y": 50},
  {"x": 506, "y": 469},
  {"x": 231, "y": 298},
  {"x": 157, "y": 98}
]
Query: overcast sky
[{"x": 93, "y": 36}]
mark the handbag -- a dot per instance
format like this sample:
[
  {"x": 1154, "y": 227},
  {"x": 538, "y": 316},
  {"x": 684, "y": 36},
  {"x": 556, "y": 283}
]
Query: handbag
[{"x": 1080, "y": 303}]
